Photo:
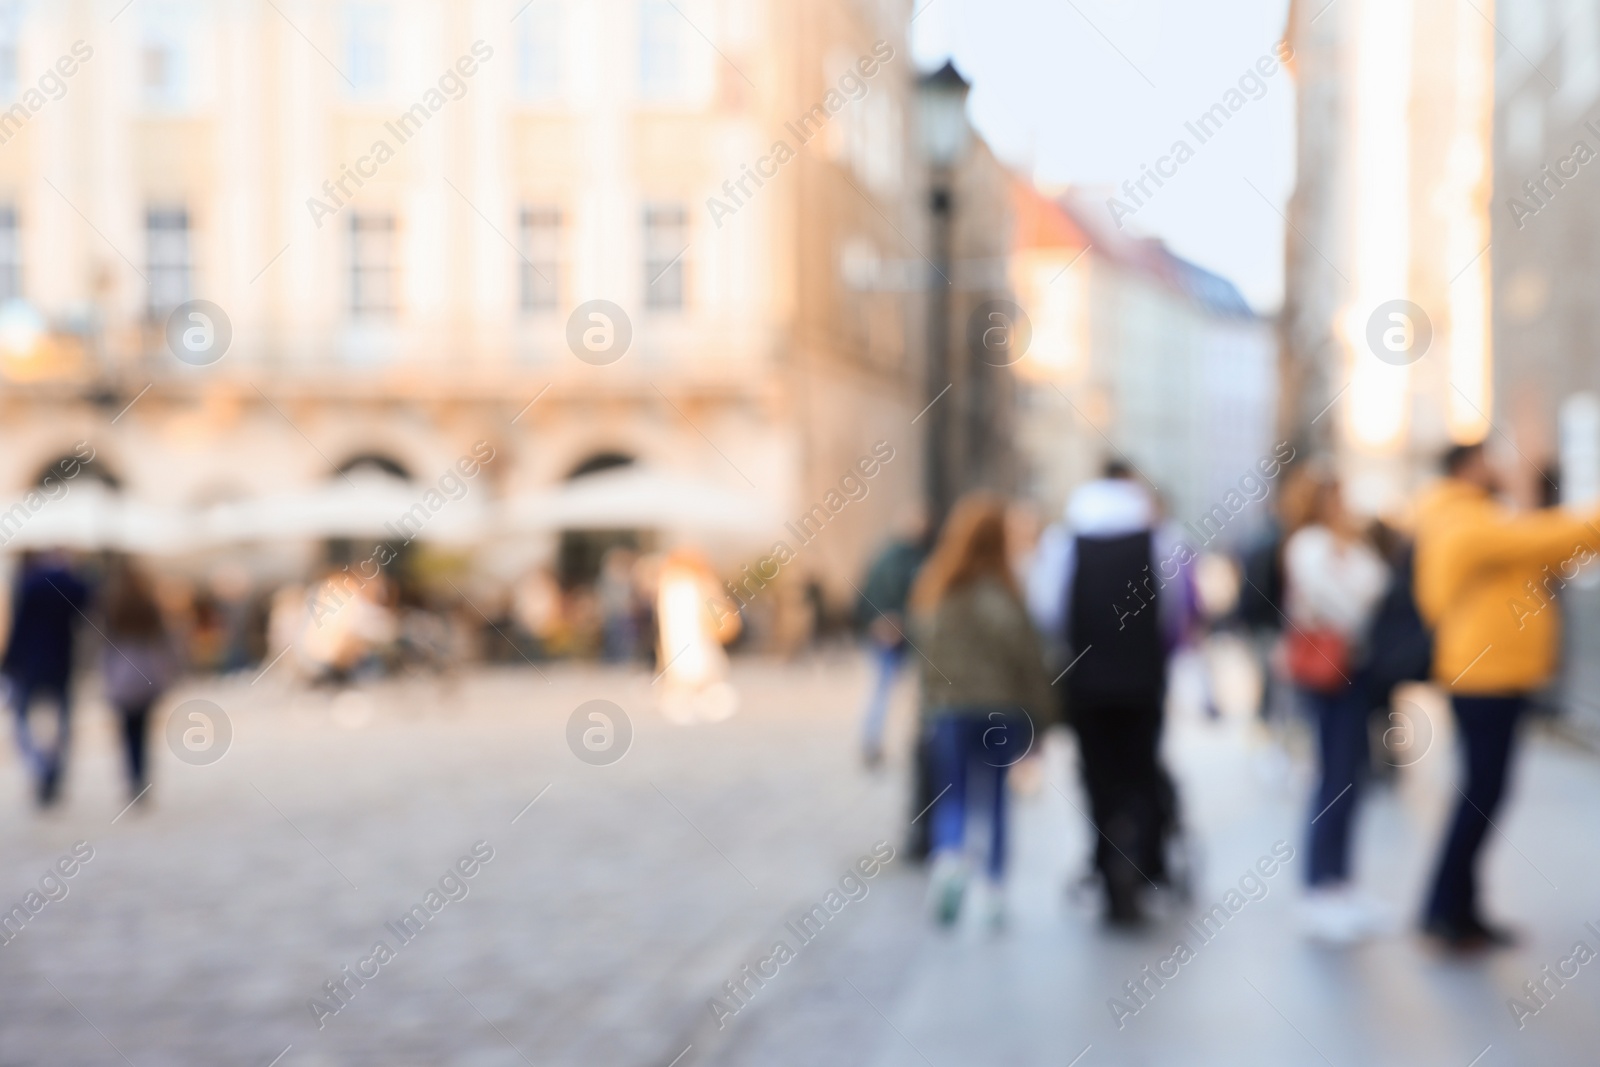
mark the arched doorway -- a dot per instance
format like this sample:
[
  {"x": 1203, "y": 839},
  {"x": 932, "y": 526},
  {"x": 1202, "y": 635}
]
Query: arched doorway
[
  {"x": 581, "y": 553},
  {"x": 377, "y": 462},
  {"x": 80, "y": 463}
]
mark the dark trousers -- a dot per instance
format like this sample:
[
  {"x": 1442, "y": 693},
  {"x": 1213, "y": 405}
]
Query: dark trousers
[
  {"x": 1341, "y": 718},
  {"x": 1487, "y": 725},
  {"x": 970, "y": 756},
  {"x": 45, "y": 763},
  {"x": 135, "y": 742},
  {"x": 1131, "y": 800}
]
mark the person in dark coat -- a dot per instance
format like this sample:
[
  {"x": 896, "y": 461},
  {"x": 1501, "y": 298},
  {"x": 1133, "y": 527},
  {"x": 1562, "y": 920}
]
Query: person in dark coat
[
  {"x": 881, "y": 613},
  {"x": 47, "y": 605},
  {"x": 1114, "y": 593}
]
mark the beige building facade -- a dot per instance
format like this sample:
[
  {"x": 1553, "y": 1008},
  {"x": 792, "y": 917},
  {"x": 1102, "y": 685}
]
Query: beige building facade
[
  {"x": 403, "y": 211},
  {"x": 1388, "y": 356},
  {"x": 1138, "y": 355}
]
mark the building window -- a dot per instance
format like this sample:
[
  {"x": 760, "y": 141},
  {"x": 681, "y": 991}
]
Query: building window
[
  {"x": 10, "y": 33},
  {"x": 367, "y": 48},
  {"x": 10, "y": 256},
  {"x": 539, "y": 51},
  {"x": 163, "y": 58},
  {"x": 372, "y": 266},
  {"x": 666, "y": 239},
  {"x": 540, "y": 229},
  {"x": 661, "y": 59},
  {"x": 169, "y": 266}
]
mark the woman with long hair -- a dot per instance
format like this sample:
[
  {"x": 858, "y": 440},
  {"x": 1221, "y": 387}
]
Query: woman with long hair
[
  {"x": 139, "y": 664},
  {"x": 1333, "y": 581},
  {"x": 984, "y": 694}
]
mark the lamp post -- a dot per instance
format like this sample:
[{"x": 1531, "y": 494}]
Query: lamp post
[{"x": 942, "y": 97}]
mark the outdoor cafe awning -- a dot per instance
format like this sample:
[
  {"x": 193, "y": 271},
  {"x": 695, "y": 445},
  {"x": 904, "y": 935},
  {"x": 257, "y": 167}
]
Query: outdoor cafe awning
[{"x": 638, "y": 497}]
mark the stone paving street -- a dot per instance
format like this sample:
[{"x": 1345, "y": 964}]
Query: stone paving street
[{"x": 616, "y": 905}]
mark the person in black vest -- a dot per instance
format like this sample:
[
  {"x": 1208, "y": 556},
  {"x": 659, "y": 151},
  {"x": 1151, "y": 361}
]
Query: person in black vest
[{"x": 1102, "y": 588}]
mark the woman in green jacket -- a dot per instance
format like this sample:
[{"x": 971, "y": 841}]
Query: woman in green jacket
[{"x": 984, "y": 693}]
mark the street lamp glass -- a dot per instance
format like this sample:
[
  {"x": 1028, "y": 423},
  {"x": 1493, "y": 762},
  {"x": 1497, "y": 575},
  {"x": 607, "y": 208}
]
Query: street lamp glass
[{"x": 943, "y": 102}]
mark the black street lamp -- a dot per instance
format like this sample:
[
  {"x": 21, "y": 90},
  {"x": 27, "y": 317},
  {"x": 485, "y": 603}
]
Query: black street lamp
[{"x": 946, "y": 136}]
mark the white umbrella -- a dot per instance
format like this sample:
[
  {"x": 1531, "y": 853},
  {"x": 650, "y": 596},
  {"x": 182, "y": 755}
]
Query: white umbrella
[
  {"x": 636, "y": 497},
  {"x": 91, "y": 517},
  {"x": 363, "y": 504}
]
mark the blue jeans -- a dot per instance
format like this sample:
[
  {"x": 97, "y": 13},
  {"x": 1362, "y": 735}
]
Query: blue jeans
[
  {"x": 886, "y": 660},
  {"x": 971, "y": 753},
  {"x": 1488, "y": 729},
  {"x": 44, "y": 763},
  {"x": 1341, "y": 760}
]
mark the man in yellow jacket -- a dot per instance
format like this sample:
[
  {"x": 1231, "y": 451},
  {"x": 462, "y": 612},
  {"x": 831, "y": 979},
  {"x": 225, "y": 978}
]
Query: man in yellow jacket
[{"x": 1486, "y": 580}]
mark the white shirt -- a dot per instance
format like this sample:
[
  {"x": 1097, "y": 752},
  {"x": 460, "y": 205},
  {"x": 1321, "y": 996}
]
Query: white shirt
[
  {"x": 1331, "y": 582},
  {"x": 1107, "y": 507}
]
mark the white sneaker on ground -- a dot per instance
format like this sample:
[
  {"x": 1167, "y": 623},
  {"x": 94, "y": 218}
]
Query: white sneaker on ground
[
  {"x": 946, "y": 886},
  {"x": 1370, "y": 915},
  {"x": 1337, "y": 915},
  {"x": 996, "y": 915}
]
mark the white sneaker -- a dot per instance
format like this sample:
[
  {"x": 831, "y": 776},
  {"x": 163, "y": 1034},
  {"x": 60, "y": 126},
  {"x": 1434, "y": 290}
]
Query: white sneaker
[
  {"x": 1328, "y": 916},
  {"x": 996, "y": 915},
  {"x": 946, "y": 887},
  {"x": 1369, "y": 915}
]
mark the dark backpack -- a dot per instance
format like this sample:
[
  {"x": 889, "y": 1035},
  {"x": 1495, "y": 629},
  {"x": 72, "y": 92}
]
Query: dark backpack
[
  {"x": 1399, "y": 646},
  {"x": 1261, "y": 594},
  {"x": 1114, "y": 609}
]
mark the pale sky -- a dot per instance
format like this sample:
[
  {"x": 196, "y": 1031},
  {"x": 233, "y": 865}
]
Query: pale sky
[{"x": 1054, "y": 98}]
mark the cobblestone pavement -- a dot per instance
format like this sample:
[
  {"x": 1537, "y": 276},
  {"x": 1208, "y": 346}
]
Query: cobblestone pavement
[{"x": 619, "y": 903}]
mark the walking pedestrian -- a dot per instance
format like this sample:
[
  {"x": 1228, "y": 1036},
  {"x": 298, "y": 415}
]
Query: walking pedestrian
[
  {"x": 696, "y": 619},
  {"x": 1399, "y": 650},
  {"x": 1486, "y": 580},
  {"x": 984, "y": 694},
  {"x": 1334, "y": 582},
  {"x": 881, "y": 613},
  {"x": 619, "y": 615},
  {"x": 1260, "y": 609},
  {"x": 138, "y": 664},
  {"x": 1111, "y": 590},
  {"x": 49, "y": 600}
]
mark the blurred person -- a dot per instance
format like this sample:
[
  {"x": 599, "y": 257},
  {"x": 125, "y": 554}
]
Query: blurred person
[
  {"x": 696, "y": 619},
  {"x": 646, "y": 584},
  {"x": 230, "y": 586},
  {"x": 536, "y": 607},
  {"x": 794, "y": 616},
  {"x": 1260, "y": 607},
  {"x": 1400, "y": 648},
  {"x": 984, "y": 693},
  {"x": 1333, "y": 582},
  {"x": 1485, "y": 582},
  {"x": 881, "y": 615},
  {"x": 208, "y": 631},
  {"x": 138, "y": 663},
  {"x": 1113, "y": 594},
  {"x": 46, "y": 606},
  {"x": 350, "y": 628},
  {"x": 619, "y": 616}
]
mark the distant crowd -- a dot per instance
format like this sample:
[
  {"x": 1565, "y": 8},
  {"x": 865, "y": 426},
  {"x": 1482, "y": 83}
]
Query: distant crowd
[{"x": 1011, "y": 631}]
